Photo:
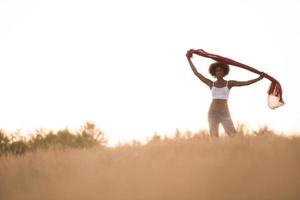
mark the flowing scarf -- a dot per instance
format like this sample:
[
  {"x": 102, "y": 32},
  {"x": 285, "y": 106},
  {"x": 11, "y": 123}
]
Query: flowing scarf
[{"x": 274, "y": 92}]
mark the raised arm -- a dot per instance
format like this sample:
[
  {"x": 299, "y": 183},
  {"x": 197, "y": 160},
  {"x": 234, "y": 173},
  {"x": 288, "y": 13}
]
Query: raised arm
[
  {"x": 200, "y": 76},
  {"x": 243, "y": 83}
]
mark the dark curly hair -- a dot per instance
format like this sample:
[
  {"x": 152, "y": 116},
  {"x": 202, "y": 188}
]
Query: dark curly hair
[{"x": 213, "y": 67}]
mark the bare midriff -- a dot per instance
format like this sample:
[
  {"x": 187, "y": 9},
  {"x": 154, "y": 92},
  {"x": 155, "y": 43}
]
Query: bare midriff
[{"x": 219, "y": 104}]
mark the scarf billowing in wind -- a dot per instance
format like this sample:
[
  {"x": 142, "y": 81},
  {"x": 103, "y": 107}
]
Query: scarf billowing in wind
[{"x": 274, "y": 92}]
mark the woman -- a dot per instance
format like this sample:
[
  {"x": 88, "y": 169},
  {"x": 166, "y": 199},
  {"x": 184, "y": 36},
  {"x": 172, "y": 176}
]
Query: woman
[{"x": 218, "y": 111}]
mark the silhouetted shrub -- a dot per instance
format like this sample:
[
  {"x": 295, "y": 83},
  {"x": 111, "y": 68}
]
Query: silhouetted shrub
[
  {"x": 4, "y": 143},
  {"x": 88, "y": 136}
]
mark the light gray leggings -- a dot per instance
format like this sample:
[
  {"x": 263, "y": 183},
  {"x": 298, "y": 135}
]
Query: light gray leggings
[{"x": 215, "y": 117}]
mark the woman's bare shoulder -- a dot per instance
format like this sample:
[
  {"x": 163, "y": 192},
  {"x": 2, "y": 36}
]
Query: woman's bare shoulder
[{"x": 231, "y": 83}]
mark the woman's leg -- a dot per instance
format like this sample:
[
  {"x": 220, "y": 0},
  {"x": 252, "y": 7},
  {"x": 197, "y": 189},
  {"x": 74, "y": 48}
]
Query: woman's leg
[
  {"x": 213, "y": 122},
  {"x": 227, "y": 123}
]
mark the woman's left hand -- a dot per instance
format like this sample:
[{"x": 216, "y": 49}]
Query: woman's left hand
[{"x": 262, "y": 75}]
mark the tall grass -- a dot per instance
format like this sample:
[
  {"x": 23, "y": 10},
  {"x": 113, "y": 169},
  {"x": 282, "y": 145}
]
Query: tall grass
[{"x": 262, "y": 167}]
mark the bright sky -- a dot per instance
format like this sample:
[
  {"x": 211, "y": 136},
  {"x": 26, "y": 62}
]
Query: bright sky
[{"x": 121, "y": 64}]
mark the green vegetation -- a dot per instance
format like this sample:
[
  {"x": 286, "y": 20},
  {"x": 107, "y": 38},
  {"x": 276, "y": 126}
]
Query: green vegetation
[{"x": 88, "y": 136}]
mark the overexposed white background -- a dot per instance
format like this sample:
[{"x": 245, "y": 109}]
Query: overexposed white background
[{"x": 121, "y": 64}]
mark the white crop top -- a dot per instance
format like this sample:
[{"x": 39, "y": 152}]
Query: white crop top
[{"x": 220, "y": 93}]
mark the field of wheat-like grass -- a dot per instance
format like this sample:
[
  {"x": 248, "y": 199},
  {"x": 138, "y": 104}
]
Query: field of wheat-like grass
[{"x": 241, "y": 168}]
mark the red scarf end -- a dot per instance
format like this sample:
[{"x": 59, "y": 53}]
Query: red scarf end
[{"x": 275, "y": 95}]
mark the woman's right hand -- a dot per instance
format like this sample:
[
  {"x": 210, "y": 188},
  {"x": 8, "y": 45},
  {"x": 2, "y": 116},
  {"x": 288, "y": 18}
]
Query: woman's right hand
[{"x": 189, "y": 53}]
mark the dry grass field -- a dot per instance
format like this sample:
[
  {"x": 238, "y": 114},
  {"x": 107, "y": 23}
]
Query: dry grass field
[{"x": 263, "y": 167}]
